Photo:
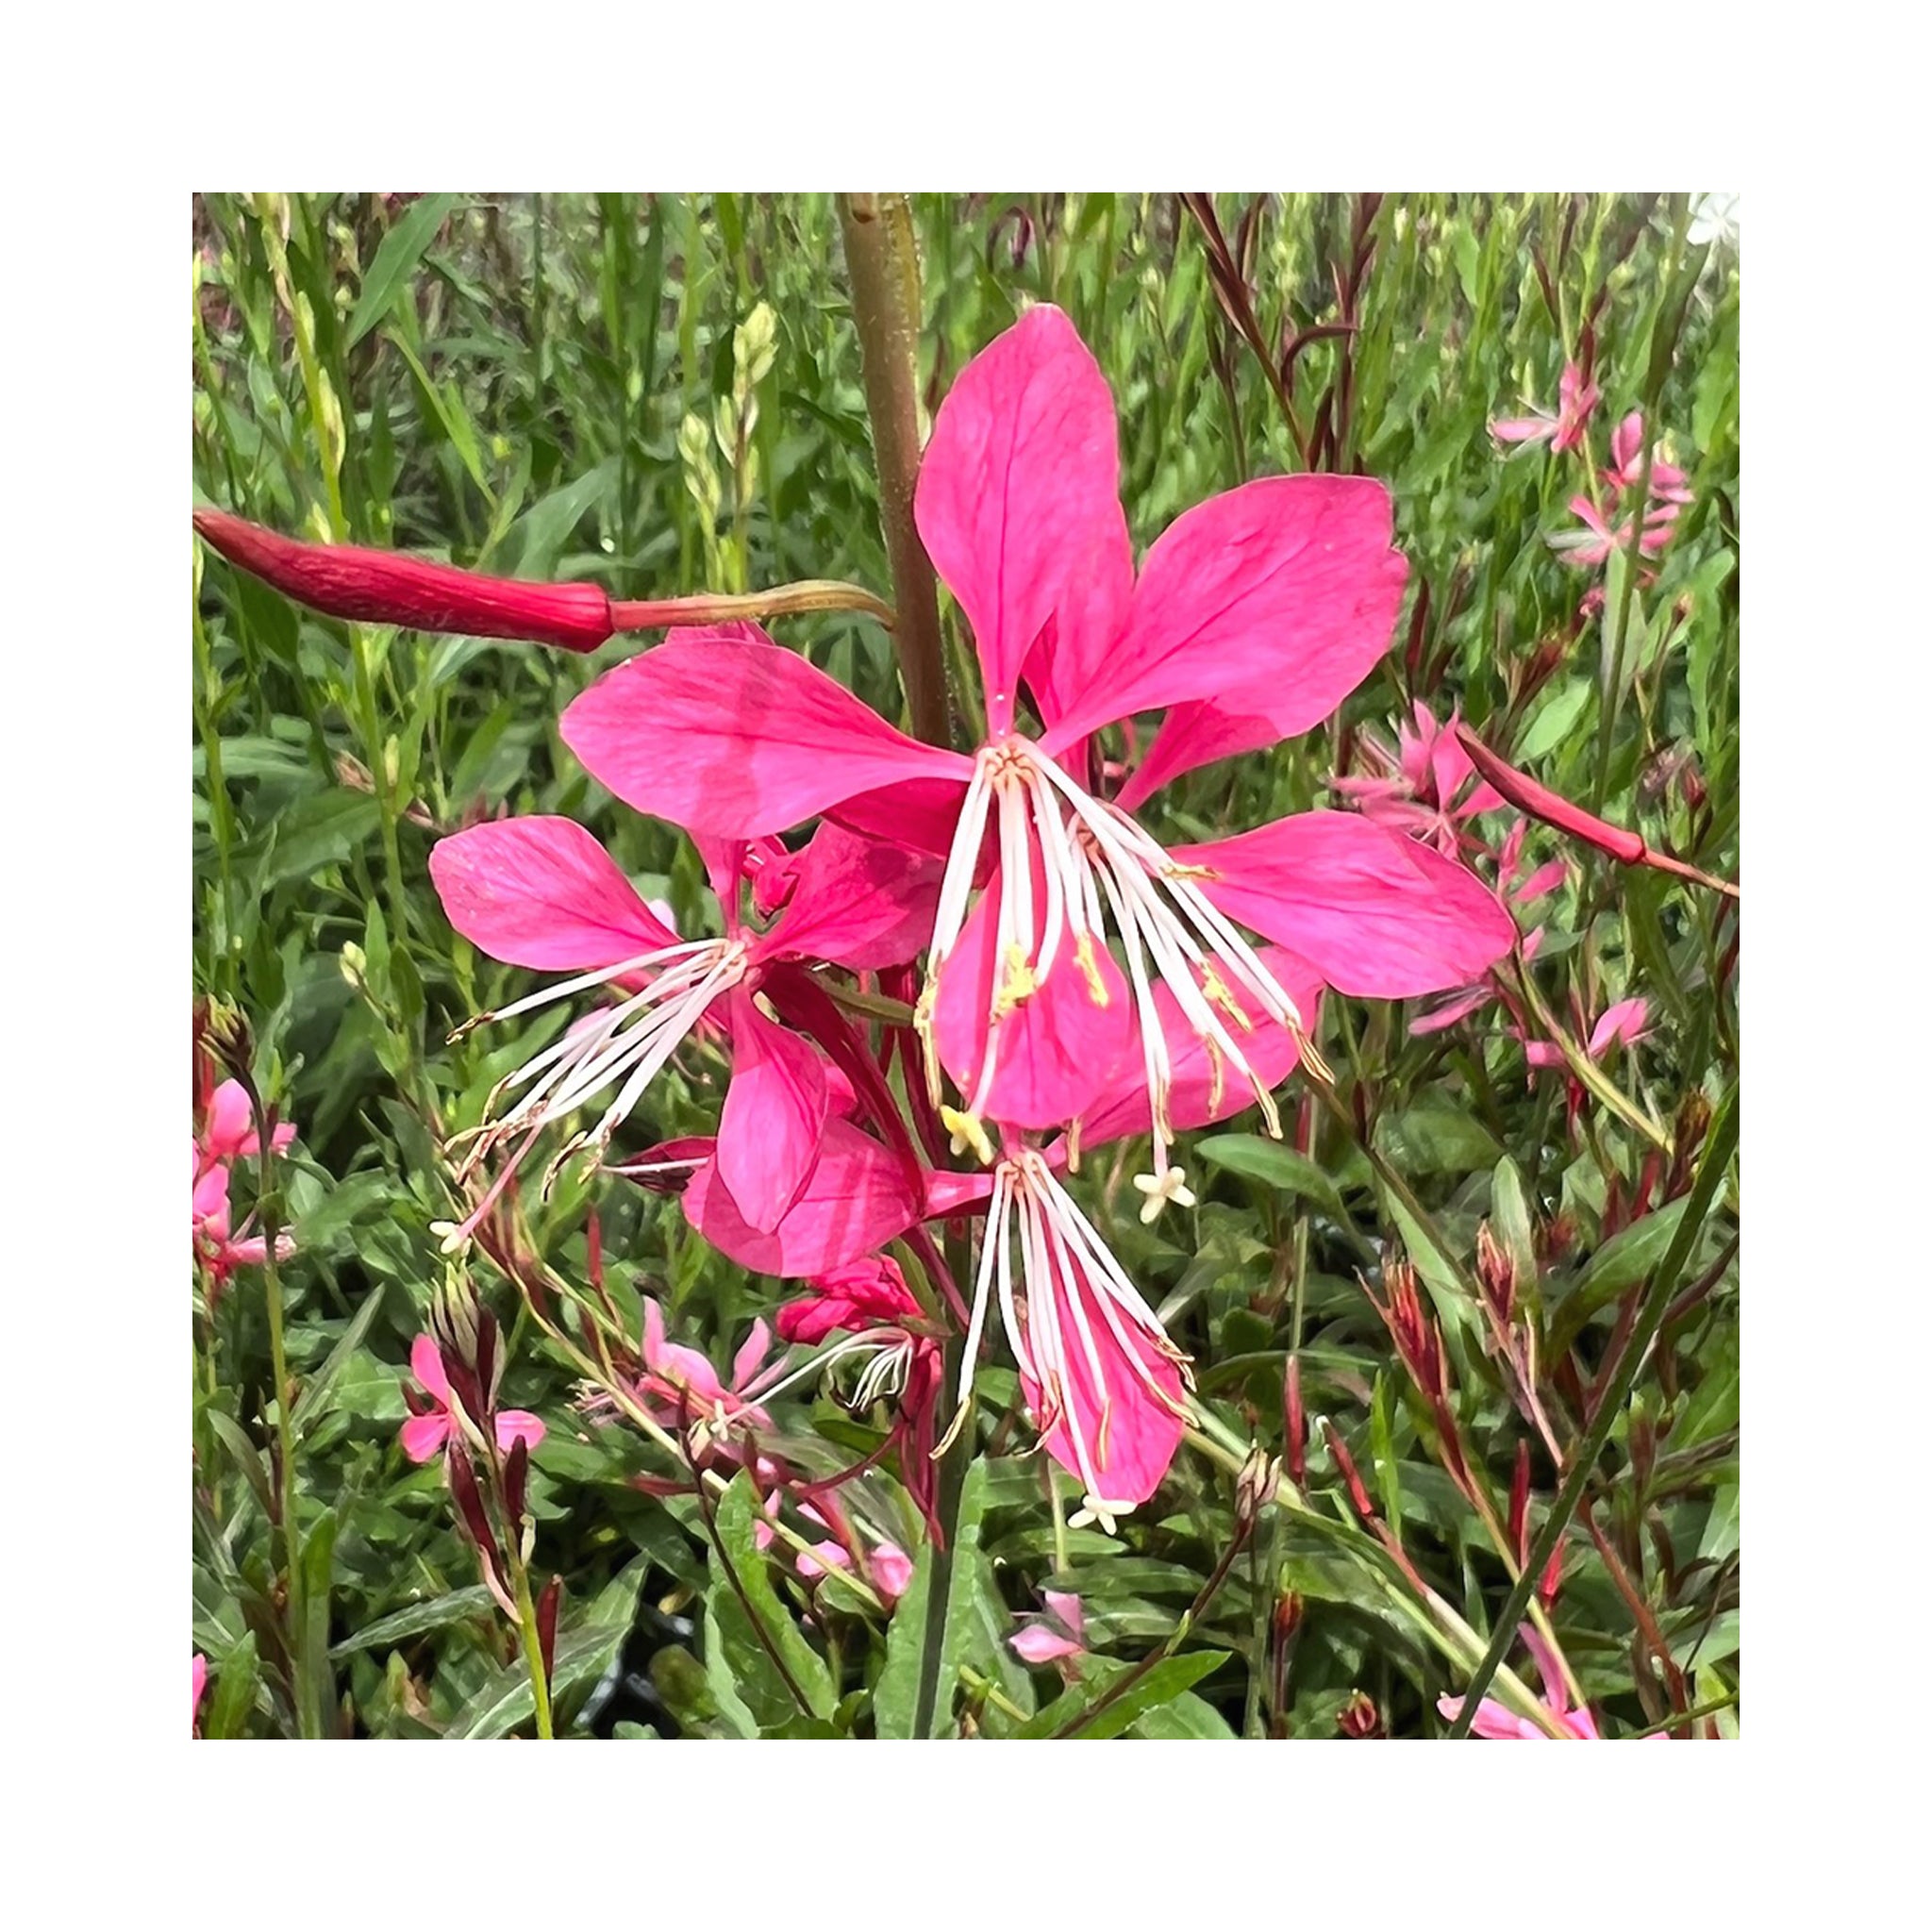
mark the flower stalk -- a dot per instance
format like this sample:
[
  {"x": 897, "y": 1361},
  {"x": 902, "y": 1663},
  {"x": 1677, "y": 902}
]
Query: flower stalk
[{"x": 883, "y": 263}]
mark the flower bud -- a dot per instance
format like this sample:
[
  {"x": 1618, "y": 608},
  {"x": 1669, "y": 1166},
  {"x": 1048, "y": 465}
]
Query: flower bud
[
  {"x": 1255, "y": 1486},
  {"x": 1495, "y": 1269},
  {"x": 1295, "y": 1425},
  {"x": 1344, "y": 1463},
  {"x": 382, "y": 587},
  {"x": 1359, "y": 1717}
]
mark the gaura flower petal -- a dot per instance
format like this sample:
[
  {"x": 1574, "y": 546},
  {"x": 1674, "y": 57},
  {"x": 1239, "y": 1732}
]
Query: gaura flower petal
[
  {"x": 857, "y": 1198},
  {"x": 1040, "y": 1643},
  {"x": 1199, "y": 1095},
  {"x": 728, "y": 734},
  {"x": 1130, "y": 1434},
  {"x": 518, "y": 1426},
  {"x": 426, "y": 1364},
  {"x": 541, "y": 892},
  {"x": 751, "y": 1355},
  {"x": 1018, "y": 505},
  {"x": 1281, "y": 593},
  {"x": 683, "y": 1368},
  {"x": 857, "y": 902},
  {"x": 1053, "y": 1047},
  {"x": 774, "y": 1112},
  {"x": 1375, "y": 915},
  {"x": 422, "y": 1436}
]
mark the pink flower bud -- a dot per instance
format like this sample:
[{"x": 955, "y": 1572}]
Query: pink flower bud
[{"x": 381, "y": 586}]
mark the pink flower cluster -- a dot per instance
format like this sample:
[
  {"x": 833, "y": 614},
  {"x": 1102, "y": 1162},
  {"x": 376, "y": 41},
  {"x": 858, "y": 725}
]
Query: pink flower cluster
[
  {"x": 1067, "y": 976},
  {"x": 226, "y": 1134}
]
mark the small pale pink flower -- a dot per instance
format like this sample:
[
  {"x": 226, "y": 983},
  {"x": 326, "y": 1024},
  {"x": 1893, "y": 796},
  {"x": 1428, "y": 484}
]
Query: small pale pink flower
[
  {"x": 424, "y": 1434},
  {"x": 1624, "y": 1025},
  {"x": 680, "y": 1382},
  {"x": 228, "y": 1133},
  {"x": 1576, "y": 398},
  {"x": 218, "y": 1248},
  {"x": 1059, "y": 1631},
  {"x": 1421, "y": 787},
  {"x": 200, "y": 1686},
  {"x": 889, "y": 1567}
]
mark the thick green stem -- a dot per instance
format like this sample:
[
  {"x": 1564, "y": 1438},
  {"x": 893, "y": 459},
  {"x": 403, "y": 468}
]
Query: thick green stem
[
  {"x": 533, "y": 1641},
  {"x": 883, "y": 263}
]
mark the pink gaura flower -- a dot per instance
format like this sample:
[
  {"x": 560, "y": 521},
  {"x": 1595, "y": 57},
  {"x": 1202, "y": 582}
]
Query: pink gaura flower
[
  {"x": 1669, "y": 492},
  {"x": 1494, "y": 1719},
  {"x": 1103, "y": 1381},
  {"x": 1623, "y": 1024},
  {"x": 227, "y": 1133},
  {"x": 680, "y": 1384},
  {"x": 1059, "y": 1630},
  {"x": 429, "y": 1427},
  {"x": 220, "y": 1249},
  {"x": 887, "y": 1566},
  {"x": 1519, "y": 887},
  {"x": 1593, "y": 543},
  {"x": 1668, "y": 484},
  {"x": 543, "y": 892},
  {"x": 1576, "y": 398},
  {"x": 1249, "y": 621},
  {"x": 1421, "y": 785},
  {"x": 200, "y": 1686}
]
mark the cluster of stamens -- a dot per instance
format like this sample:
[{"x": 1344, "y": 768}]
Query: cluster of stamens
[
  {"x": 1100, "y": 872},
  {"x": 1067, "y": 1281},
  {"x": 627, "y": 1043}
]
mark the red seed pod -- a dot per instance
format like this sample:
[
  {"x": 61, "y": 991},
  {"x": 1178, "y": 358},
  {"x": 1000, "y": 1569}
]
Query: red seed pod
[
  {"x": 469, "y": 1501},
  {"x": 382, "y": 586}
]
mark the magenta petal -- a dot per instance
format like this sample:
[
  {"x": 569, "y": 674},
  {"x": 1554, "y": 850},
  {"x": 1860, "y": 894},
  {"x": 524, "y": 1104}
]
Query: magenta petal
[
  {"x": 1018, "y": 504},
  {"x": 229, "y": 1129},
  {"x": 1121, "y": 1108},
  {"x": 774, "y": 1112},
  {"x": 1375, "y": 915},
  {"x": 728, "y": 734},
  {"x": 426, "y": 1364},
  {"x": 1053, "y": 1051},
  {"x": 1065, "y": 1604},
  {"x": 1131, "y": 1434},
  {"x": 518, "y": 1426},
  {"x": 856, "y": 1199},
  {"x": 1280, "y": 595},
  {"x": 857, "y": 902},
  {"x": 751, "y": 1355},
  {"x": 541, "y": 892},
  {"x": 1040, "y": 1643},
  {"x": 1624, "y": 1021},
  {"x": 423, "y": 1436}
]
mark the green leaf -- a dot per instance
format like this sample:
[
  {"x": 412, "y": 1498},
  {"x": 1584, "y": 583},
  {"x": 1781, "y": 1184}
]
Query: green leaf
[
  {"x": 396, "y": 258},
  {"x": 1614, "y": 1269},
  {"x": 1509, "y": 1220},
  {"x": 755, "y": 1628},
  {"x": 506, "y": 1701},
  {"x": 237, "y": 1681},
  {"x": 1255, "y": 1158},
  {"x": 1556, "y": 716},
  {"x": 1431, "y": 1138},
  {"x": 312, "y": 1404},
  {"x": 436, "y": 1613},
  {"x": 1161, "y": 1684}
]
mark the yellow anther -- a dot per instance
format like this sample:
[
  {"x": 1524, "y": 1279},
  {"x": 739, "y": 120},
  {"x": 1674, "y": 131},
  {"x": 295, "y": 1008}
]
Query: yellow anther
[
  {"x": 1096, "y": 986},
  {"x": 1312, "y": 1061},
  {"x": 1017, "y": 982},
  {"x": 1215, "y": 990},
  {"x": 1173, "y": 869},
  {"x": 1074, "y": 1146},
  {"x": 967, "y": 1131}
]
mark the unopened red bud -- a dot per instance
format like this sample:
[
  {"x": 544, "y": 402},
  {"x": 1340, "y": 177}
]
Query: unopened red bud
[
  {"x": 1359, "y": 1717},
  {"x": 1495, "y": 1269},
  {"x": 1539, "y": 802},
  {"x": 547, "y": 1607},
  {"x": 516, "y": 1477},
  {"x": 469, "y": 1501},
  {"x": 1344, "y": 1463},
  {"x": 1519, "y": 1504},
  {"x": 382, "y": 586},
  {"x": 1553, "y": 1577},
  {"x": 1288, "y": 1616}
]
